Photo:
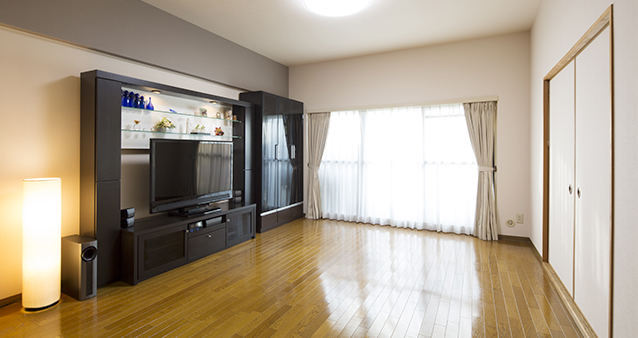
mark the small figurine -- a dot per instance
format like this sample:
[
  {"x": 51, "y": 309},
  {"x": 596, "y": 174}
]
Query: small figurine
[
  {"x": 219, "y": 131},
  {"x": 203, "y": 112}
]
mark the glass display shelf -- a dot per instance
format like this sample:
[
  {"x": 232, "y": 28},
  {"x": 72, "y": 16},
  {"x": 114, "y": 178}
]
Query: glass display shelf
[
  {"x": 140, "y": 110},
  {"x": 217, "y": 137}
]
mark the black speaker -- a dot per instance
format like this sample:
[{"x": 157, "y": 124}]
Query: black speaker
[{"x": 79, "y": 267}]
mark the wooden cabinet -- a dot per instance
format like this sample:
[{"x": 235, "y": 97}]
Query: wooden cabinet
[
  {"x": 100, "y": 157},
  {"x": 161, "y": 243},
  {"x": 278, "y": 171}
]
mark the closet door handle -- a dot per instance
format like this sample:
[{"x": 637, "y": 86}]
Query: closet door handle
[
  {"x": 276, "y": 153},
  {"x": 578, "y": 192},
  {"x": 294, "y": 152},
  {"x": 570, "y": 189}
]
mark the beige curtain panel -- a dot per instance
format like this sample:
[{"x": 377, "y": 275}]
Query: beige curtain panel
[
  {"x": 317, "y": 134},
  {"x": 481, "y": 125}
]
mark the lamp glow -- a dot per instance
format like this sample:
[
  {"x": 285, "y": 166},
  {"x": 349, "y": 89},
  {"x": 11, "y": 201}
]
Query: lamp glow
[
  {"x": 336, "y": 7},
  {"x": 41, "y": 242}
]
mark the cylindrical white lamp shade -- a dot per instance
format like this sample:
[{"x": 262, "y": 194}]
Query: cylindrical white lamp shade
[{"x": 41, "y": 242}]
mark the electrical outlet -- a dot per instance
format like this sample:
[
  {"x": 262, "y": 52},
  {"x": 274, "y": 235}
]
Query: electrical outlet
[{"x": 520, "y": 218}]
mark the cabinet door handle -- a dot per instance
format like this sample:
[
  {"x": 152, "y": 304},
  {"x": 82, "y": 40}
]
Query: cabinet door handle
[
  {"x": 228, "y": 220},
  {"x": 578, "y": 192},
  {"x": 294, "y": 152},
  {"x": 276, "y": 152},
  {"x": 209, "y": 236},
  {"x": 570, "y": 189}
]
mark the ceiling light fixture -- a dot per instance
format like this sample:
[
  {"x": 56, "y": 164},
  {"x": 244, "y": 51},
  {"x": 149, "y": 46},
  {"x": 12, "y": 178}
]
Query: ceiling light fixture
[{"x": 336, "y": 7}]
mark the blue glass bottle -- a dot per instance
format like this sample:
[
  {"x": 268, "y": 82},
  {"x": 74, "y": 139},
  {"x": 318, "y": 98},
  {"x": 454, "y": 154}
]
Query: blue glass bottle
[
  {"x": 125, "y": 98},
  {"x": 149, "y": 106},
  {"x": 142, "y": 103},
  {"x": 131, "y": 98},
  {"x": 136, "y": 101}
]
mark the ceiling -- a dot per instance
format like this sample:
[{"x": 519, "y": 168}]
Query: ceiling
[{"x": 284, "y": 31}]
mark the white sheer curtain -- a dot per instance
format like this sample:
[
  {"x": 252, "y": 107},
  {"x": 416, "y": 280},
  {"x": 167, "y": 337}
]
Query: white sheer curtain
[{"x": 407, "y": 167}]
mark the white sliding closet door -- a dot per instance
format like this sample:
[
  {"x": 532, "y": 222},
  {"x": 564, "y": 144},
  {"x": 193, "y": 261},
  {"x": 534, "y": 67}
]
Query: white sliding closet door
[
  {"x": 561, "y": 179},
  {"x": 593, "y": 183}
]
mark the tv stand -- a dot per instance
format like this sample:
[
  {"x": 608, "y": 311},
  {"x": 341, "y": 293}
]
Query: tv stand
[
  {"x": 160, "y": 243},
  {"x": 196, "y": 211}
]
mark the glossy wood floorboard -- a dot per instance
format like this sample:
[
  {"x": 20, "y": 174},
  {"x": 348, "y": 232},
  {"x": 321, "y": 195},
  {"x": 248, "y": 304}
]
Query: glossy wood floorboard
[{"x": 324, "y": 279}]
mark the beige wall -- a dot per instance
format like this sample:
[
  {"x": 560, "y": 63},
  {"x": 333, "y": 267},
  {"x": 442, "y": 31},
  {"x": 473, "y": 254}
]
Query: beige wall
[
  {"x": 483, "y": 67},
  {"x": 559, "y": 24},
  {"x": 40, "y": 133}
]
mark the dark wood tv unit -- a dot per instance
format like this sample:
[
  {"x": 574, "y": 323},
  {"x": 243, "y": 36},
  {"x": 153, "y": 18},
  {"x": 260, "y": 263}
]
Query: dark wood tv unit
[
  {"x": 160, "y": 243},
  {"x": 101, "y": 151}
]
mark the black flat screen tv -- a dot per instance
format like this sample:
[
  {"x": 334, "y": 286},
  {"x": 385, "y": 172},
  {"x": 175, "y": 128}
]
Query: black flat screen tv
[{"x": 186, "y": 174}]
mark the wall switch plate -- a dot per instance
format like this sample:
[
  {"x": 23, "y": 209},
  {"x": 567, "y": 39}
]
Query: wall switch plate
[{"x": 520, "y": 218}]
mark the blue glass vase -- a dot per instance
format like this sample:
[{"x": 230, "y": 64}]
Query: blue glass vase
[
  {"x": 149, "y": 106},
  {"x": 136, "y": 101}
]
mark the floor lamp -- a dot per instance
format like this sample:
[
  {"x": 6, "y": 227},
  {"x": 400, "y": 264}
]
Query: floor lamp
[{"x": 41, "y": 242}]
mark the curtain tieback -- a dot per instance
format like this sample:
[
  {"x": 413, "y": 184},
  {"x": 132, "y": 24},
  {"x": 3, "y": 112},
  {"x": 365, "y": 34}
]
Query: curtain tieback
[
  {"x": 315, "y": 168},
  {"x": 483, "y": 168}
]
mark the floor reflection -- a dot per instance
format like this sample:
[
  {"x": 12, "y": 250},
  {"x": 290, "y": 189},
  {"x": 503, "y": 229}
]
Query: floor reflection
[{"x": 324, "y": 278}]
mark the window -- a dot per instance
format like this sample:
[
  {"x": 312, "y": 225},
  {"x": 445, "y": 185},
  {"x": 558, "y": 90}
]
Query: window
[{"x": 408, "y": 167}]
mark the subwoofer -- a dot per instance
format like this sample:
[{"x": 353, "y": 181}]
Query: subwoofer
[{"x": 79, "y": 267}]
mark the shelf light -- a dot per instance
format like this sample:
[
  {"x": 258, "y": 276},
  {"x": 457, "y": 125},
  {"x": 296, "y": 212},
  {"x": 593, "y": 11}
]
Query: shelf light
[
  {"x": 214, "y": 102},
  {"x": 155, "y": 91}
]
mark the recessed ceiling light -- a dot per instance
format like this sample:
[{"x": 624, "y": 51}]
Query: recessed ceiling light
[{"x": 336, "y": 7}]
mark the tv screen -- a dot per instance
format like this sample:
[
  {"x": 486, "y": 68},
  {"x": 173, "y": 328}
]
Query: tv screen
[{"x": 186, "y": 173}]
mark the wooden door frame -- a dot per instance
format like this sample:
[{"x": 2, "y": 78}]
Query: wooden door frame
[{"x": 604, "y": 21}]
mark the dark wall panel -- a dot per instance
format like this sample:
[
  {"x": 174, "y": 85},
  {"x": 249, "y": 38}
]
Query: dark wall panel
[
  {"x": 108, "y": 233},
  {"x": 139, "y": 31},
  {"x": 107, "y": 131}
]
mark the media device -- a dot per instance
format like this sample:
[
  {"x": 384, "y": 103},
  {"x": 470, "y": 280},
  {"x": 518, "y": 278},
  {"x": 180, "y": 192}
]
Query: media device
[{"x": 188, "y": 175}]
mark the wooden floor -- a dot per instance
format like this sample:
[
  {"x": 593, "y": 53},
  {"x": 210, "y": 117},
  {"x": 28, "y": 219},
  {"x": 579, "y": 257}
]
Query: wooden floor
[{"x": 324, "y": 279}]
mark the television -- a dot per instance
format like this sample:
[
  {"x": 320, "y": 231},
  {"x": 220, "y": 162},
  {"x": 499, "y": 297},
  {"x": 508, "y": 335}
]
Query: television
[{"x": 188, "y": 175}]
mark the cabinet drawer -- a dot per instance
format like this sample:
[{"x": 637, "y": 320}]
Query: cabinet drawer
[{"x": 206, "y": 243}]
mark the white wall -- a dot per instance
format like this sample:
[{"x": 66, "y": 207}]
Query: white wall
[
  {"x": 482, "y": 67},
  {"x": 559, "y": 24},
  {"x": 40, "y": 133}
]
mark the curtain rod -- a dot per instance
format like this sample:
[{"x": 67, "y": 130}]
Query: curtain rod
[{"x": 397, "y": 105}]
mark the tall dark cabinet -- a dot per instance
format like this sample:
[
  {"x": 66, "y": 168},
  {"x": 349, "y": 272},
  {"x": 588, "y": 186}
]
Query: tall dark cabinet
[
  {"x": 100, "y": 164},
  {"x": 278, "y": 165}
]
